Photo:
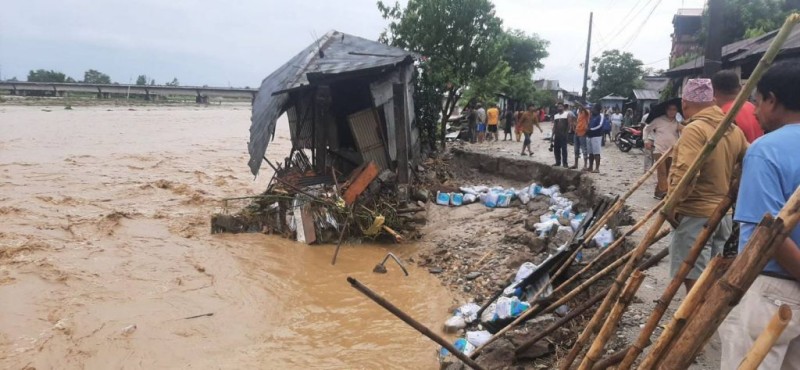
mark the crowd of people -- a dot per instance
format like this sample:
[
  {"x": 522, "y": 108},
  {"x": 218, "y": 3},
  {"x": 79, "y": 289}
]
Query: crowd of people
[{"x": 762, "y": 141}]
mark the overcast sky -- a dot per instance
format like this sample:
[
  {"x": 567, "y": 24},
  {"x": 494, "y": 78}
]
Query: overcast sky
[{"x": 239, "y": 42}]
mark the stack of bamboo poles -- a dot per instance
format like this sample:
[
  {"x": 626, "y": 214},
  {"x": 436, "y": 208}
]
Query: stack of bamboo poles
[{"x": 719, "y": 297}]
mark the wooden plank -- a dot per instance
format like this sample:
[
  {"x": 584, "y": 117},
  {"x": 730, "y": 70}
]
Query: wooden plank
[{"x": 360, "y": 182}]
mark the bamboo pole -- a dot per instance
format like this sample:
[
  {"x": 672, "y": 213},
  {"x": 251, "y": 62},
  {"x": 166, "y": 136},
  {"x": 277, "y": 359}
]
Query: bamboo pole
[
  {"x": 721, "y": 298},
  {"x": 558, "y": 323},
  {"x": 611, "y": 248},
  {"x": 677, "y": 193},
  {"x": 687, "y": 265},
  {"x": 767, "y": 339},
  {"x": 738, "y": 279},
  {"x": 611, "y": 212},
  {"x": 411, "y": 322},
  {"x": 610, "y": 361},
  {"x": 652, "y": 261},
  {"x": 715, "y": 269},
  {"x": 596, "y": 350},
  {"x": 616, "y": 287}
]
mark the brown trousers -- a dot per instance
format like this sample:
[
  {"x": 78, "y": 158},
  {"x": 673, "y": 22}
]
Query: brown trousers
[{"x": 662, "y": 173}]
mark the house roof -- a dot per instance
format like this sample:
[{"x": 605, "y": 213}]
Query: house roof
[
  {"x": 645, "y": 94},
  {"x": 613, "y": 97},
  {"x": 739, "y": 51},
  {"x": 655, "y": 83},
  {"x": 690, "y": 12},
  {"x": 546, "y": 85},
  {"x": 334, "y": 53}
]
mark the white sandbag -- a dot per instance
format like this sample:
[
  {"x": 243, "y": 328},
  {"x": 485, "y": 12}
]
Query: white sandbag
[
  {"x": 478, "y": 338},
  {"x": 604, "y": 237}
]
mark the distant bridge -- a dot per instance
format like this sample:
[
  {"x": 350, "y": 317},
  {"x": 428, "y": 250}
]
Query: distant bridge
[{"x": 201, "y": 94}]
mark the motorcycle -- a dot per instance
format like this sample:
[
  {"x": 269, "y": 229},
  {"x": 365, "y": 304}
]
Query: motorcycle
[{"x": 629, "y": 138}]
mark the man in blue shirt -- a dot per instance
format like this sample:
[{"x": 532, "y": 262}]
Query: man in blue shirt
[{"x": 771, "y": 174}]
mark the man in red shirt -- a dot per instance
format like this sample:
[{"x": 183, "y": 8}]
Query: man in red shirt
[{"x": 726, "y": 88}]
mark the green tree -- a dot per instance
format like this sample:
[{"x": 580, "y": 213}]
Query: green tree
[
  {"x": 750, "y": 18},
  {"x": 617, "y": 72},
  {"x": 96, "y": 77},
  {"x": 457, "y": 37},
  {"x": 543, "y": 98},
  {"x": 153, "y": 82},
  {"x": 41, "y": 75},
  {"x": 141, "y": 80},
  {"x": 173, "y": 83},
  {"x": 524, "y": 53}
]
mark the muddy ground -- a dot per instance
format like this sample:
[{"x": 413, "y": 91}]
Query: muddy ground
[{"x": 494, "y": 242}]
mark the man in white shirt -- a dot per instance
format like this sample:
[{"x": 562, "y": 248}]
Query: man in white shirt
[{"x": 616, "y": 123}]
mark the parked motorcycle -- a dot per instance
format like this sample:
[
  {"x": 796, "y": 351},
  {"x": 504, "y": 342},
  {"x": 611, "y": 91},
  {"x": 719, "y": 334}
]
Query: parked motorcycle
[{"x": 629, "y": 138}]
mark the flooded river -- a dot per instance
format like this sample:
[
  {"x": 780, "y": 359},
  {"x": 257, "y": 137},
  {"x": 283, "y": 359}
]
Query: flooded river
[{"x": 105, "y": 251}]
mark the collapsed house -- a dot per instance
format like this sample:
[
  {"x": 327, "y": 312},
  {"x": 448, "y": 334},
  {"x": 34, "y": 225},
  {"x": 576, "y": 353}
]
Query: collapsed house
[{"x": 350, "y": 110}]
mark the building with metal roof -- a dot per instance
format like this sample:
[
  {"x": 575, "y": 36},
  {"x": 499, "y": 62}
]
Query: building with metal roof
[{"x": 348, "y": 101}]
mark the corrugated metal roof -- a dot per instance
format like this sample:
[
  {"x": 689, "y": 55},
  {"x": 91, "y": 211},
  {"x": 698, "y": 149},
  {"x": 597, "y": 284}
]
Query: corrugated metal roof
[
  {"x": 644, "y": 94},
  {"x": 367, "y": 134},
  {"x": 332, "y": 54},
  {"x": 690, "y": 12},
  {"x": 740, "y": 50},
  {"x": 655, "y": 83},
  {"x": 613, "y": 97}
]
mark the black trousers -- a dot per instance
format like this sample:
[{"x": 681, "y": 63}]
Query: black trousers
[{"x": 560, "y": 150}]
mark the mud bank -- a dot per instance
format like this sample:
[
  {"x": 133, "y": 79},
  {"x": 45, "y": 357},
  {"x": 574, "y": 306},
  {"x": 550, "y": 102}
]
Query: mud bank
[{"x": 473, "y": 249}]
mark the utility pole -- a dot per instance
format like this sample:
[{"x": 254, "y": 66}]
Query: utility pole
[
  {"x": 713, "y": 53},
  {"x": 586, "y": 61}
]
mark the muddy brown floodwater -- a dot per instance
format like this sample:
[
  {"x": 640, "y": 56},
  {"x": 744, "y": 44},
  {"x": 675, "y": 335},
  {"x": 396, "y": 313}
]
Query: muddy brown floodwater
[{"x": 104, "y": 214}]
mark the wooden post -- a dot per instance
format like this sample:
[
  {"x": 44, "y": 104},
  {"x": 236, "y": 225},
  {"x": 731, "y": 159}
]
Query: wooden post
[
  {"x": 321, "y": 122},
  {"x": 767, "y": 339},
  {"x": 596, "y": 350},
  {"x": 715, "y": 269},
  {"x": 411, "y": 322},
  {"x": 663, "y": 302},
  {"x": 401, "y": 124}
]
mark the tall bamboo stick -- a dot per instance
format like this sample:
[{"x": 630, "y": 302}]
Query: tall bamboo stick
[
  {"x": 767, "y": 339},
  {"x": 687, "y": 265},
  {"x": 596, "y": 350},
  {"x": 715, "y": 269},
  {"x": 611, "y": 248},
  {"x": 411, "y": 322},
  {"x": 611, "y": 212},
  {"x": 678, "y": 192}
]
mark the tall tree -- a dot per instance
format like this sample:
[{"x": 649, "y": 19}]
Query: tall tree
[
  {"x": 141, "y": 80},
  {"x": 618, "y": 73},
  {"x": 173, "y": 83},
  {"x": 41, "y": 75},
  {"x": 750, "y": 18},
  {"x": 93, "y": 76},
  {"x": 457, "y": 37}
]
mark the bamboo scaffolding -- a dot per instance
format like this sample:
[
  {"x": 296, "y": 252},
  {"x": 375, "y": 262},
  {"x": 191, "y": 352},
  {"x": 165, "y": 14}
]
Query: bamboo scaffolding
[
  {"x": 611, "y": 212},
  {"x": 411, "y": 322},
  {"x": 596, "y": 350},
  {"x": 687, "y": 265},
  {"x": 721, "y": 298},
  {"x": 767, "y": 339},
  {"x": 611, "y": 248},
  {"x": 715, "y": 269},
  {"x": 677, "y": 193},
  {"x": 652, "y": 261}
]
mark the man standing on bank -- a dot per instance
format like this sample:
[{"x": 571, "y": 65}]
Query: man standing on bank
[
  {"x": 770, "y": 175},
  {"x": 660, "y": 135},
  {"x": 711, "y": 183},
  {"x": 561, "y": 124}
]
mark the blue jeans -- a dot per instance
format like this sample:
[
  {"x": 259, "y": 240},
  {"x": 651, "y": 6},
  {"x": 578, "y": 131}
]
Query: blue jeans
[{"x": 580, "y": 146}]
